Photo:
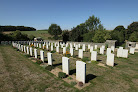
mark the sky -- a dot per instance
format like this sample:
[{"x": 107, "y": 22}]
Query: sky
[{"x": 40, "y": 14}]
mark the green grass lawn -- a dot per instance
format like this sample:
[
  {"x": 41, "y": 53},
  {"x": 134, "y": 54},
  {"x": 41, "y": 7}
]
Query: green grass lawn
[
  {"x": 123, "y": 77},
  {"x": 19, "y": 74},
  {"x": 43, "y": 34}
]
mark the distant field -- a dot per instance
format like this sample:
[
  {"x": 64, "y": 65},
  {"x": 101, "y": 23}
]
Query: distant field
[{"x": 43, "y": 34}]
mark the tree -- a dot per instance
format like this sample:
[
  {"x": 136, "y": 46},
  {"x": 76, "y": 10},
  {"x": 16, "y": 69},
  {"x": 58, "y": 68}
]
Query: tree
[
  {"x": 65, "y": 35},
  {"x": 134, "y": 37},
  {"x": 55, "y": 30},
  {"x": 101, "y": 36},
  {"x": 31, "y": 37},
  {"x": 87, "y": 37},
  {"x": 75, "y": 35},
  {"x": 133, "y": 27},
  {"x": 93, "y": 23}
]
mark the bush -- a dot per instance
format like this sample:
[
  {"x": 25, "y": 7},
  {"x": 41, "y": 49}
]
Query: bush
[
  {"x": 53, "y": 51},
  {"x": 73, "y": 83},
  {"x": 39, "y": 62},
  {"x": 80, "y": 84},
  {"x": 85, "y": 59},
  {"x": 61, "y": 75},
  {"x": 49, "y": 67}
]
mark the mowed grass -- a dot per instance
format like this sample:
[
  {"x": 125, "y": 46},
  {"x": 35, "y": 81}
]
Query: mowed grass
[
  {"x": 122, "y": 77},
  {"x": 43, "y": 34},
  {"x": 19, "y": 74}
]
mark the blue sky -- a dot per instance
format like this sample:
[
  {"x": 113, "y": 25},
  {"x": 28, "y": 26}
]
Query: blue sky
[{"x": 67, "y": 13}]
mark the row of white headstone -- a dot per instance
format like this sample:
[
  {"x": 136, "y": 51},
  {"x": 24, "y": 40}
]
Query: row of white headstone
[
  {"x": 80, "y": 66},
  {"x": 110, "y": 56},
  {"x": 28, "y": 50}
]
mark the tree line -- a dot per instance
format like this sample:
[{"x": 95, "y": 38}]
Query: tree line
[
  {"x": 14, "y": 28},
  {"x": 93, "y": 31}
]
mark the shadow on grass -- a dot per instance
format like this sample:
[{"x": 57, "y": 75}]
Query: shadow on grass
[
  {"x": 57, "y": 64},
  {"x": 46, "y": 61},
  {"x": 72, "y": 71},
  {"x": 99, "y": 60},
  {"x": 115, "y": 64},
  {"x": 90, "y": 77}
]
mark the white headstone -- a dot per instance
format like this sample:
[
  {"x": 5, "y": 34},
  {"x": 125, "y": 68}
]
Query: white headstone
[
  {"x": 125, "y": 53},
  {"x": 91, "y": 49},
  {"x": 80, "y": 54},
  {"x": 132, "y": 50},
  {"x": 49, "y": 56},
  {"x": 64, "y": 50},
  {"x": 110, "y": 60},
  {"x": 119, "y": 52},
  {"x": 101, "y": 50},
  {"x": 39, "y": 45},
  {"x": 35, "y": 53},
  {"x": 31, "y": 51},
  {"x": 94, "y": 56},
  {"x": 79, "y": 45},
  {"x": 51, "y": 47},
  {"x": 83, "y": 47},
  {"x": 108, "y": 51},
  {"x": 80, "y": 71},
  {"x": 89, "y": 46},
  {"x": 27, "y": 49},
  {"x": 57, "y": 49},
  {"x": 136, "y": 47},
  {"x": 43, "y": 46},
  {"x": 24, "y": 49},
  {"x": 47, "y": 46},
  {"x": 42, "y": 55},
  {"x": 34, "y": 44},
  {"x": 113, "y": 48},
  {"x": 65, "y": 65},
  {"x": 76, "y": 47},
  {"x": 71, "y": 51},
  {"x": 95, "y": 47}
]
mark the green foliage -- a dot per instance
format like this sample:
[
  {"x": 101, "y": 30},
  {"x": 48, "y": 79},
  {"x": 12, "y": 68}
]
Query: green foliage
[
  {"x": 85, "y": 59},
  {"x": 92, "y": 23},
  {"x": 67, "y": 55},
  {"x": 49, "y": 67},
  {"x": 17, "y": 35},
  {"x": 31, "y": 37},
  {"x": 53, "y": 51},
  {"x": 70, "y": 78},
  {"x": 87, "y": 37},
  {"x": 55, "y": 30},
  {"x": 73, "y": 83},
  {"x": 134, "y": 37},
  {"x": 133, "y": 27},
  {"x": 75, "y": 35},
  {"x": 65, "y": 35},
  {"x": 4, "y": 37},
  {"x": 14, "y": 28},
  {"x": 119, "y": 36},
  {"x": 101, "y": 36},
  {"x": 61, "y": 75}
]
